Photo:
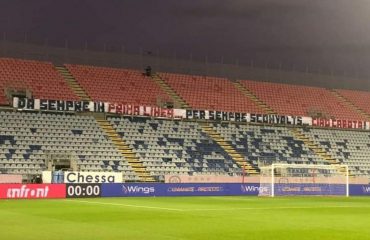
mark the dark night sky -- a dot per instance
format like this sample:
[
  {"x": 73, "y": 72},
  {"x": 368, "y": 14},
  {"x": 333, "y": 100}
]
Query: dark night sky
[{"x": 327, "y": 35}]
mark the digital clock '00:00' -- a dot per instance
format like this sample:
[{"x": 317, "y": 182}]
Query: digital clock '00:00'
[{"x": 83, "y": 190}]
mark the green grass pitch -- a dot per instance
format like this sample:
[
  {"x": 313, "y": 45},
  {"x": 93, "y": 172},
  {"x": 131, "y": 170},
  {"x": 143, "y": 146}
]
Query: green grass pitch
[{"x": 187, "y": 218}]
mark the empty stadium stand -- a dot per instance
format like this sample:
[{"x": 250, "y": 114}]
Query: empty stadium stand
[
  {"x": 127, "y": 151},
  {"x": 315, "y": 147},
  {"x": 168, "y": 147},
  {"x": 72, "y": 83},
  {"x": 40, "y": 78},
  {"x": 210, "y": 93},
  {"x": 146, "y": 149},
  {"x": 26, "y": 139},
  {"x": 301, "y": 100},
  {"x": 174, "y": 147},
  {"x": 179, "y": 102},
  {"x": 349, "y": 147},
  {"x": 267, "y": 144},
  {"x": 247, "y": 166},
  {"x": 358, "y": 99},
  {"x": 117, "y": 85}
]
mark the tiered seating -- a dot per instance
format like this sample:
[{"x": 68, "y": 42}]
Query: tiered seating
[
  {"x": 266, "y": 144},
  {"x": 349, "y": 147},
  {"x": 39, "y": 77},
  {"x": 26, "y": 140},
  {"x": 164, "y": 146},
  {"x": 210, "y": 93},
  {"x": 174, "y": 147},
  {"x": 117, "y": 85},
  {"x": 360, "y": 98},
  {"x": 300, "y": 100}
]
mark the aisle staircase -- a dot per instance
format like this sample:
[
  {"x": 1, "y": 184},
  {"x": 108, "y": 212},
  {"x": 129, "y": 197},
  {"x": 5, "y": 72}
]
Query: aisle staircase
[
  {"x": 179, "y": 102},
  {"x": 126, "y": 151},
  {"x": 349, "y": 104},
  {"x": 315, "y": 147},
  {"x": 237, "y": 157},
  {"x": 72, "y": 83},
  {"x": 254, "y": 98}
]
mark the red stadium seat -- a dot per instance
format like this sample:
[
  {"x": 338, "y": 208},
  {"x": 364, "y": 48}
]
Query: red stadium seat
[
  {"x": 300, "y": 100},
  {"x": 210, "y": 93},
  {"x": 41, "y": 78},
  {"x": 117, "y": 85},
  {"x": 360, "y": 98}
]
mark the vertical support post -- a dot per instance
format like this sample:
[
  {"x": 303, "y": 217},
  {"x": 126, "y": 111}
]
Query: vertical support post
[
  {"x": 243, "y": 178},
  {"x": 272, "y": 181},
  {"x": 347, "y": 181}
]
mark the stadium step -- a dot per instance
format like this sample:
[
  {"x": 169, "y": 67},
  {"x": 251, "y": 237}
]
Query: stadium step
[
  {"x": 349, "y": 104},
  {"x": 315, "y": 147},
  {"x": 126, "y": 151},
  {"x": 238, "y": 158},
  {"x": 254, "y": 98},
  {"x": 72, "y": 83},
  {"x": 178, "y": 101}
]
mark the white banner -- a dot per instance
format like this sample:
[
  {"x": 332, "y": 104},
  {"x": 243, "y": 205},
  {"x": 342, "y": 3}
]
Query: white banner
[
  {"x": 102, "y": 107},
  {"x": 340, "y": 123},
  {"x": 139, "y": 110},
  {"x": 158, "y": 112},
  {"x": 93, "y": 177},
  {"x": 248, "y": 117}
]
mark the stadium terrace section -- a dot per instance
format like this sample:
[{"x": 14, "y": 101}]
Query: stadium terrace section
[
  {"x": 351, "y": 148},
  {"x": 174, "y": 147},
  {"x": 40, "y": 78},
  {"x": 27, "y": 138},
  {"x": 117, "y": 85},
  {"x": 266, "y": 143},
  {"x": 171, "y": 141},
  {"x": 358, "y": 98},
  {"x": 301, "y": 100},
  {"x": 165, "y": 147},
  {"x": 203, "y": 92},
  {"x": 131, "y": 87}
]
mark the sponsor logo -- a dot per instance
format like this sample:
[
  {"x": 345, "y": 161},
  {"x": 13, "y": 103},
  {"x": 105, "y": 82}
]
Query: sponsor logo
[
  {"x": 175, "y": 179},
  {"x": 85, "y": 177},
  {"x": 195, "y": 189},
  {"x": 312, "y": 189},
  {"x": 291, "y": 189},
  {"x": 246, "y": 188},
  {"x": 137, "y": 189},
  {"x": 26, "y": 192},
  {"x": 210, "y": 189},
  {"x": 181, "y": 189},
  {"x": 365, "y": 189}
]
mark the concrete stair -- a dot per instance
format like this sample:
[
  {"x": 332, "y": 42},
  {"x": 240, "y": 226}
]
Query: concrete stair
[
  {"x": 316, "y": 148},
  {"x": 254, "y": 98},
  {"x": 349, "y": 104},
  {"x": 178, "y": 101},
  {"x": 126, "y": 151},
  {"x": 231, "y": 151},
  {"x": 72, "y": 83}
]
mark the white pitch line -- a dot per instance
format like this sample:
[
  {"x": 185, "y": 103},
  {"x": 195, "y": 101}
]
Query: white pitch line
[
  {"x": 232, "y": 198},
  {"x": 125, "y": 205},
  {"x": 269, "y": 208},
  {"x": 211, "y": 209}
]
